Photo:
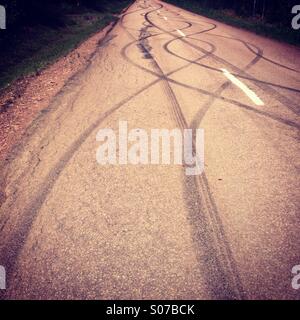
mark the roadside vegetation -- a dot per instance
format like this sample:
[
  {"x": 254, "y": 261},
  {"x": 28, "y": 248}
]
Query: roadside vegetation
[
  {"x": 271, "y": 18},
  {"x": 39, "y": 32}
]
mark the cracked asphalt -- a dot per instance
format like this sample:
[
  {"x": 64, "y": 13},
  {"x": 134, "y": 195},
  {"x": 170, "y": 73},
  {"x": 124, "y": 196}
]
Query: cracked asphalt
[{"x": 72, "y": 229}]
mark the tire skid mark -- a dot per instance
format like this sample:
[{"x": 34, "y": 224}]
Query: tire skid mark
[
  {"x": 238, "y": 73},
  {"x": 229, "y": 282},
  {"x": 278, "y": 64},
  {"x": 269, "y": 115},
  {"x": 288, "y": 103},
  {"x": 226, "y": 292},
  {"x": 246, "y": 44},
  {"x": 10, "y": 253}
]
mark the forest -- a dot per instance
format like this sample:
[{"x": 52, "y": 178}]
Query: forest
[
  {"x": 51, "y": 12},
  {"x": 272, "y": 11}
]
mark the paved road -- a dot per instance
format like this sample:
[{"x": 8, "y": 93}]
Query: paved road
[{"x": 71, "y": 228}]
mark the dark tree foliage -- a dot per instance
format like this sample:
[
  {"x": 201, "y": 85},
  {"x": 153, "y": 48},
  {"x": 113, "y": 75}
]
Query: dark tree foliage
[
  {"x": 272, "y": 11},
  {"x": 49, "y": 12}
]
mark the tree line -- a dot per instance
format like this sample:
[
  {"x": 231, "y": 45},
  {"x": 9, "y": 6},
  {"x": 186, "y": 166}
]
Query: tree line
[
  {"x": 50, "y": 12},
  {"x": 271, "y": 11}
]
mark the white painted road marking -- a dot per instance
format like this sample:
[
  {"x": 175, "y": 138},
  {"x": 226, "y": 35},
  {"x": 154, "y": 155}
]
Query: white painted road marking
[
  {"x": 181, "y": 33},
  {"x": 251, "y": 94}
]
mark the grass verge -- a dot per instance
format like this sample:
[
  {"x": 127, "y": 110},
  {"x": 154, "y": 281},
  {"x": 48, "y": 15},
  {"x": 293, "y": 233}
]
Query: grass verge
[
  {"x": 30, "y": 49},
  {"x": 257, "y": 26}
]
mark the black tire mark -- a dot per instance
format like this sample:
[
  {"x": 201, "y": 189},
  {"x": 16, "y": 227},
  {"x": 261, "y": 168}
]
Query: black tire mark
[
  {"x": 274, "y": 62},
  {"x": 10, "y": 253},
  {"x": 222, "y": 288},
  {"x": 207, "y": 93},
  {"x": 19, "y": 238},
  {"x": 246, "y": 44},
  {"x": 288, "y": 103},
  {"x": 204, "y": 109},
  {"x": 204, "y": 92},
  {"x": 250, "y": 49},
  {"x": 229, "y": 284}
]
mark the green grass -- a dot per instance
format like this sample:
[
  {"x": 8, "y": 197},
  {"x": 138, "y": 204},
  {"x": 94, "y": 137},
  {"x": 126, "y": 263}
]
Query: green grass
[
  {"x": 257, "y": 26},
  {"x": 31, "y": 49}
]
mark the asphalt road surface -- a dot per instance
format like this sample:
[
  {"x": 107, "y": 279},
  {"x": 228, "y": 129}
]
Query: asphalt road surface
[{"x": 73, "y": 229}]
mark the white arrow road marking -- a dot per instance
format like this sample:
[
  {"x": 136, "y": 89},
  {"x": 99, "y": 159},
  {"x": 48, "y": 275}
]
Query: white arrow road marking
[{"x": 251, "y": 94}]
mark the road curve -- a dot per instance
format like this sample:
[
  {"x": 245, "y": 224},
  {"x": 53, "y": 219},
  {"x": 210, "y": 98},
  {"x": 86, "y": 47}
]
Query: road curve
[{"x": 73, "y": 229}]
